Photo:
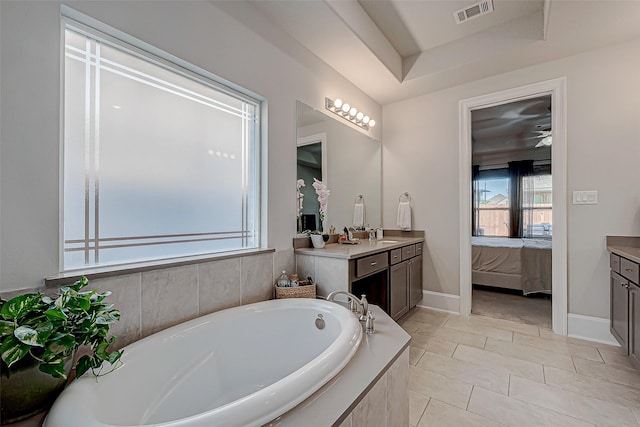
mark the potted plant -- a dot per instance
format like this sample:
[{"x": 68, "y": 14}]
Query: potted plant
[{"x": 39, "y": 336}]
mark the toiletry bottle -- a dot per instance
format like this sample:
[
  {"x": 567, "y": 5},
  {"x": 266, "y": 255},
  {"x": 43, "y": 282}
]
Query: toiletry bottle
[
  {"x": 294, "y": 280},
  {"x": 283, "y": 280},
  {"x": 379, "y": 233}
]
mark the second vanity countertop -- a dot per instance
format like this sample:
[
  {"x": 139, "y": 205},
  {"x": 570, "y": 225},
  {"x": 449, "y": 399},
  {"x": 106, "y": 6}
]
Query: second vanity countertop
[
  {"x": 627, "y": 247},
  {"x": 365, "y": 247}
]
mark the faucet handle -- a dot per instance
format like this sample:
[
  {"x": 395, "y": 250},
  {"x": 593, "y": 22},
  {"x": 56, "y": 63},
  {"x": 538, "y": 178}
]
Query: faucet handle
[
  {"x": 352, "y": 305},
  {"x": 368, "y": 328}
]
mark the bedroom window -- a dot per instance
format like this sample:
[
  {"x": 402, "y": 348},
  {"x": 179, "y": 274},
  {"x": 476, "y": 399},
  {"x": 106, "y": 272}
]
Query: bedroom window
[
  {"x": 159, "y": 161},
  {"x": 537, "y": 207},
  {"x": 491, "y": 190}
]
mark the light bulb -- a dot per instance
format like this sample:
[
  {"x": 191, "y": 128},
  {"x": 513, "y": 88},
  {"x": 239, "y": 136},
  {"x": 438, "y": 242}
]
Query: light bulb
[
  {"x": 359, "y": 116},
  {"x": 346, "y": 107},
  {"x": 353, "y": 112},
  {"x": 365, "y": 119},
  {"x": 337, "y": 103},
  {"x": 372, "y": 123}
]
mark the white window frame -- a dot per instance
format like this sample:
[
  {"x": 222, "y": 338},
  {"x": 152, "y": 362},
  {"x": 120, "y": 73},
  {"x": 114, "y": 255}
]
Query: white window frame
[{"x": 123, "y": 41}]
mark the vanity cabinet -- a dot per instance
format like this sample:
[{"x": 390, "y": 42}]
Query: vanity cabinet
[
  {"x": 405, "y": 280},
  {"x": 625, "y": 305}
]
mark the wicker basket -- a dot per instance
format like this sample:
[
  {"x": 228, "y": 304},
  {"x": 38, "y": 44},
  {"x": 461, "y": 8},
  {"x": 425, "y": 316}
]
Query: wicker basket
[{"x": 302, "y": 291}]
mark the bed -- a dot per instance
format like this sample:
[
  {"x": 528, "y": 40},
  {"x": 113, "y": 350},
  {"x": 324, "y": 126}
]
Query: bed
[{"x": 520, "y": 264}]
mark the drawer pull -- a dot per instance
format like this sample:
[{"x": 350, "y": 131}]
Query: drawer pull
[
  {"x": 374, "y": 263},
  {"x": 629, "y": 270},
  {"x": 395, "y": 256}
]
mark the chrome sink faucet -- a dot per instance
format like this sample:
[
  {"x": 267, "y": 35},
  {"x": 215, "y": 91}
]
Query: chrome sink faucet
[{"x": 357, "y": 305}]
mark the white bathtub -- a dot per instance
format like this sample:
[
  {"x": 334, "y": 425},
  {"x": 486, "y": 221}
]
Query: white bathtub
[{"x": 238, "y": 367}]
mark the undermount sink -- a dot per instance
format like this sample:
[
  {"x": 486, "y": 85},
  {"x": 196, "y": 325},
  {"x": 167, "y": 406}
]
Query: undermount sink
[{"x": 388, "y": 241}]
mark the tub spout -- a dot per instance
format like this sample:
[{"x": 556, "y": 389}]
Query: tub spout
[{"x": 362, "y": 303}]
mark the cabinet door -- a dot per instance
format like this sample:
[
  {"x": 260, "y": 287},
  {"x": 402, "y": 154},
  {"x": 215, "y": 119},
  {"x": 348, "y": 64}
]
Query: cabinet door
[
  {"x": 634, "y": 324},
  {"x": 399, "y": 301},
  {"x": 415, "y": 281},
  {"x": 620, "y": 309}
]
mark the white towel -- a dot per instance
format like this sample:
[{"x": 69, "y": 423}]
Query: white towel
[
  {"x": 404, "y": 216},
  {"x": 358, "y": 215}
]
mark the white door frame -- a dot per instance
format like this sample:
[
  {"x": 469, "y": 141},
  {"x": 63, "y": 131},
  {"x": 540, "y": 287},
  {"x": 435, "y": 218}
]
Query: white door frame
[{"x": 557, "y": 89}]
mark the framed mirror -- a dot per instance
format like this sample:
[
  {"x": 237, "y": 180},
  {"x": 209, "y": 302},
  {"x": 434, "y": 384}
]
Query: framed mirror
[{"x": 349, "y": 164}]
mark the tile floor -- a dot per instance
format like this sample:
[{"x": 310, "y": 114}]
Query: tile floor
[{"x": 481, "y": 371}]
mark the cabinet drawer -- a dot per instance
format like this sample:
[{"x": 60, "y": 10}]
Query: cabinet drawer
[
  {"x": 371, "y": 263},
  {"x": 395, "y": 256},
  {"x": 408, "y": 252},
  {"x": 629, "y": 269},
  {"x": 418, "y": 249},
  {"x": 614, "y": 262}
]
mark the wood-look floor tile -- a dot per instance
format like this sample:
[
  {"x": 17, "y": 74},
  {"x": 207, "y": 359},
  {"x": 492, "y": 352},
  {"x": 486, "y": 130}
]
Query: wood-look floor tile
[
  {"x": 410, "y": 325},
  {"x": 437, "y": 386},
  {"x": 508, "y": 325},
  {"x": 432, "y": 317},
  {"x": 464, "y": 325},
  {"x": 593, "y": 387},
  {"x": 415, "y": 354},
  {"x": 453, "y": 335},
  {"x": 513, "y": 412},
  {"x": 417, "y": 405},
  {"x": 599, "y": 412},
  {"x": 523, "y": 368},
  {"x": 531, "y": 354},
  {"x": 433, "y": 344},
  {"x": 615, "y": 357},
  {"x": 558, "y": 346},
  {"x": 492, "y": 379},
  {"x": 440, "y": 414},
  {"x": 613, "y": 373}
]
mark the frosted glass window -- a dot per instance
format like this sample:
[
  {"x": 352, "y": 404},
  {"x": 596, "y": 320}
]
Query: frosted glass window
[{"x": 158, "y": 162}]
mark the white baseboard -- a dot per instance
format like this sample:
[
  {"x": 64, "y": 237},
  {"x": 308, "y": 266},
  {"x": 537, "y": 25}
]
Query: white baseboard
[
  {"x": 590, "y": 328},
  {"x": 440, "y": 301}
]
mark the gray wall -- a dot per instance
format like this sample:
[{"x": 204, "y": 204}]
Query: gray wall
[
  {"x": 421, "y": 155},
  {"x": 199, "y": 32}
]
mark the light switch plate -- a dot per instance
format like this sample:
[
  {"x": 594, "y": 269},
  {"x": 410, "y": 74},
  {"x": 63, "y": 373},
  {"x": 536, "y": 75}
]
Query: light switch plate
[{"x": 585, "y": 197}]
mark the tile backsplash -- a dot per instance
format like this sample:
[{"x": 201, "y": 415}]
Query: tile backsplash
[{"x": 153, "y": 300}]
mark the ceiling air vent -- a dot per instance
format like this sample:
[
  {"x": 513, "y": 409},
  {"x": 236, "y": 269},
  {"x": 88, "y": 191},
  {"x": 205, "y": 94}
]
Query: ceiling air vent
[{"x": 473, "y": 11}]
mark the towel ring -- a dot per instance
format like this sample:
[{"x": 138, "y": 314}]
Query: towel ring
[
  {"x": 407, "y": 197},
  {"x": 359, "y": 199}
]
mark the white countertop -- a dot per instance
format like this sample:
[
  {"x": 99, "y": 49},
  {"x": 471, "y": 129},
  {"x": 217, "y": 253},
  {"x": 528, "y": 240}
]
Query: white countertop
[
  {"x": 625, "y": 246},
  {"x": 363, "y": 248},
  {"x": 375, "y": 355}
]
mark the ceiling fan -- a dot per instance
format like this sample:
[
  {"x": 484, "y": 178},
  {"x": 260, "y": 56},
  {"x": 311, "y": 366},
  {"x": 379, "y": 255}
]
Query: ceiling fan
[{"x": 545, "y": 140}]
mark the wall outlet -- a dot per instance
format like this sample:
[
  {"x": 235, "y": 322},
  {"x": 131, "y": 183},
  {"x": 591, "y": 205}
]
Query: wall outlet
[{"x": 585, "y": 197}]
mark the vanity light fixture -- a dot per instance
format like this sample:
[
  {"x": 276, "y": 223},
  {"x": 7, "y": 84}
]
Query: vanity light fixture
[{"x": 349, "y": 112}]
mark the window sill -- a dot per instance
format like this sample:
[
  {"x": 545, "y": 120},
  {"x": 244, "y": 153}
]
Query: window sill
[{"x": 121, "y": 270}]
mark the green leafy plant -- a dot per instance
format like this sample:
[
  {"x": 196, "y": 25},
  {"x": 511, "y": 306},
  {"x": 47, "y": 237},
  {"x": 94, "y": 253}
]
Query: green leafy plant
[{"x": 49, "y": 329}]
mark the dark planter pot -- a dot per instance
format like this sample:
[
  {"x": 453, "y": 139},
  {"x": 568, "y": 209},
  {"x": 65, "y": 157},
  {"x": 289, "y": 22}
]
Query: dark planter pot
[{"x": 26, "y": 391}]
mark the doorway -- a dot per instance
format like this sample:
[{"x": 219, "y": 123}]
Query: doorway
[{"x": 556, "y": 90}]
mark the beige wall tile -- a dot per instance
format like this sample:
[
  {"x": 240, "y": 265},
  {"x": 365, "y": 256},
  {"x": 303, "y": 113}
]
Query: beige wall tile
[
  {"x": 512, "y": 412},
  {"x": 305, "y": 265},
  {"x": 331, "y": 274},
  {"x": 523, "y": 368},
  {"x": 417, "y": 405},
  {"x": 596, "y": 411},
  {"x": 439, "y": 387},
  {"x": 218, "y": 285},
  {"x": 397, "y": 391},
  {"x": 495, "y": 379},
  {"x": 256, "y": 273},
  {"x": 371, "y": 411},
  {"x": 169, "y": 297},
  {"x": 284, "y": 260},
  {"x": 453, "y": 335},
  {"x": 440, "y": 414},
  {"x": 126, "y": 297},
  {"x": 532, "y": 354}
]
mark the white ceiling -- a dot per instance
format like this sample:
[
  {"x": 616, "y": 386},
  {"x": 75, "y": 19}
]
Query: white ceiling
[{"x": 398, "y": 49}]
